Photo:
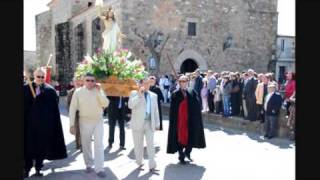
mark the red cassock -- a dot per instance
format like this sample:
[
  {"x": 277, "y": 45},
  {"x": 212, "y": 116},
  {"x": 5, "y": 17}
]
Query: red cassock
[
  {"x": 183, "y": 123},
  {"x": 48, "y": 75}
]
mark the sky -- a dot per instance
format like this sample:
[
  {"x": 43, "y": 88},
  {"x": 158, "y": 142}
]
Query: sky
[{"x": 286, "y": 19}]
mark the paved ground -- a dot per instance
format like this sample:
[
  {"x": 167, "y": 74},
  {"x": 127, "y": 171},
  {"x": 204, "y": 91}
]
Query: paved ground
[{"x": 230, "y": 155}]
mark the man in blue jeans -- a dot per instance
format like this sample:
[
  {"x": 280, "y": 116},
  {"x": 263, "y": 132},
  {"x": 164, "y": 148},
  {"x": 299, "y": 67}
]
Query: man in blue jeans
[{"x": 226, "y": 94}]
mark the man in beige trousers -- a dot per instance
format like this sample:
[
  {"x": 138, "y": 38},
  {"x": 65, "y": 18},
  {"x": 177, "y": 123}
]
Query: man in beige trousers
[
  {"x": 90, "y": 101},
  {"x": 144, "y": 121}
]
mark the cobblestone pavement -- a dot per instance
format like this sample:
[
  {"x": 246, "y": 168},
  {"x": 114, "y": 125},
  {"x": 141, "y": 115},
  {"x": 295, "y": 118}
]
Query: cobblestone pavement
[{"x": 230, "y": 155}]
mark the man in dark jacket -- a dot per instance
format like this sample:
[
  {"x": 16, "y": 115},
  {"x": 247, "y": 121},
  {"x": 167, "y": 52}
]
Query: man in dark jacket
[
  {"x": 198, "y": 85},
  {"x": 43, "y": 135},
  {"x": 185, "y": 126},
  {"x": 249, "y": 96},
  {"x": 118, "y": 111},
  {"x": 154, "y": 88},
  {"x": 272, "y": 106}
]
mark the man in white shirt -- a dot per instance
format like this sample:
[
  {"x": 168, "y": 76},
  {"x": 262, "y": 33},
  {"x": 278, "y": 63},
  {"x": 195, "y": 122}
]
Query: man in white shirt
[{"x": 90, "y": 101}]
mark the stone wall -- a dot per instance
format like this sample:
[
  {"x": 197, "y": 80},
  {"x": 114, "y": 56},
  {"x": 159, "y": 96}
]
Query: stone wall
[
  {"x": 63, "y": 55},
  {"x": 251, "y": 24},
  {"x": 43, "y": 38},
  {"x": 29, "y": 60},
  {"x": 230, "y": 34},
  {"x": 96, "y": 35}
]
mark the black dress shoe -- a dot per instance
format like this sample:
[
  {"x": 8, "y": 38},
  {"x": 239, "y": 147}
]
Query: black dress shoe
[
  {"x": 122, "y": 148},
  {"x": 38, "y": 174},
  {"x": 188, "y": 157},
  {"x": 110, "y": 146},
  {"x": 26, "y": 174},
  {"x": 153, "y": 170},
  {"x": 182, "y": 162}
]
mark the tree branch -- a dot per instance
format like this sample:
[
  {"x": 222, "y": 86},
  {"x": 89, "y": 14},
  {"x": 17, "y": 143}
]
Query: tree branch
[{"x": 164, "y": 43}]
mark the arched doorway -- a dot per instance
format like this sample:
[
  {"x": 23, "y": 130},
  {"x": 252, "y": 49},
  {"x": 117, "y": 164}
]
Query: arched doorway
[
  {"x": 194, "y": 56},
  {"x": 189, "y": 65}
]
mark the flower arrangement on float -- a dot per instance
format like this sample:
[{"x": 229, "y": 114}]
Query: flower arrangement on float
[{"x": 117, "y": 71}]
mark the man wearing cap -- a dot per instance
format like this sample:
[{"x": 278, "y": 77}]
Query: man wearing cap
[
  {"x": 185, "y": 122},
  {"x": 272, "y": 106}
]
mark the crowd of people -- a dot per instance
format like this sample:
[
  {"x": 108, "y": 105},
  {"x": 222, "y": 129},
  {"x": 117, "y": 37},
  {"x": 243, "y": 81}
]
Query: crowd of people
[
  {"x": 237, "y": 94},
  {"x": 248, "y": 94}
]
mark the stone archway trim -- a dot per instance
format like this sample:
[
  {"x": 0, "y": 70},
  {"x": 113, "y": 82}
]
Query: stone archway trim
[{"x": 191, "y": 54}]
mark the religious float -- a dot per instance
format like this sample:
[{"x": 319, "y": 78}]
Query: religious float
[
  {"x": 117, "y": 72},
  {"x": 116, "y": 69}
]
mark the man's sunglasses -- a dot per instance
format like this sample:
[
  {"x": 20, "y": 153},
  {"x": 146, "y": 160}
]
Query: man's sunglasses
[
  {"x": 89, "y": 80},
  {"x": 183, "y": 81},
  {"x": 40, "y": 77}
]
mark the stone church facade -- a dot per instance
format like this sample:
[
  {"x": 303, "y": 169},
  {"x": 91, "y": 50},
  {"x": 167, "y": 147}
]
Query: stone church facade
[{"x": 180, "y": 35}]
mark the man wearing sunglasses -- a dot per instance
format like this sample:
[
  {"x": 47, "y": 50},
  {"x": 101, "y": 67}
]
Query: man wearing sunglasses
[
  {"x": 185, "y": 122},
  {"x": 43, "y": 135},
  {"x": 90, "y": 101}
]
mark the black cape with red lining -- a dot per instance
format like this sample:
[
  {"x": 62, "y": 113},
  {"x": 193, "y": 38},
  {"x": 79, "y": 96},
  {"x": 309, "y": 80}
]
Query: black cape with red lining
[
  {"x": 43, "y": 134},
  {"x": 195, "y": 124}
]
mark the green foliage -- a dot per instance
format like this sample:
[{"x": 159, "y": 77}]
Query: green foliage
[{"x": 120, "y": 63}]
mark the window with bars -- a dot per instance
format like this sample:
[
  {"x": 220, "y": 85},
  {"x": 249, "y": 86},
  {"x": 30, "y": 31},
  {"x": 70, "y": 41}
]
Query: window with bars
[
  {"x": 282, "y": 45},
  {"x": 191, "y": 29}
]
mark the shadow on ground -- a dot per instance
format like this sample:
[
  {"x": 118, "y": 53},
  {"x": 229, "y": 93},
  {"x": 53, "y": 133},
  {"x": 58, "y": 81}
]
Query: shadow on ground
[
  {"x": 75, "y": 175},
  {"x": 72, "y": 155},
  {"x": 145, "y": 153},
  {"x": 135, "y": 175},
  {"x": 111, "y": 156},
  {"x": 184, "y": 172}
]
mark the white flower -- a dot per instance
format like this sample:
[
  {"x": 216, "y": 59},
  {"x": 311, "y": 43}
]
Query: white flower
[
  {"x": 129, "y": 55},
  {"x": 88, "y": 58}
]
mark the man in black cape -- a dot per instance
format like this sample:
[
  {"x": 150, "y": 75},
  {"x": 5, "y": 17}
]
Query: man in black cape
[
  {"x": 156, "y": 89},
  {"x": 185, "y": 126},
  {"x": 43, "y": 135}
]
